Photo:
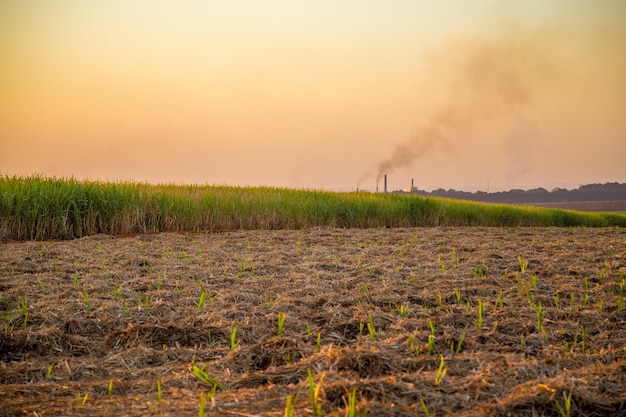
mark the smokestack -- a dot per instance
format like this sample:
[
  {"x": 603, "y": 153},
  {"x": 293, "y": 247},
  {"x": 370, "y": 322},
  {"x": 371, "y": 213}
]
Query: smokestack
[
  {"x": 412, "y": 186},
  {"x": 385, "y": 182}
]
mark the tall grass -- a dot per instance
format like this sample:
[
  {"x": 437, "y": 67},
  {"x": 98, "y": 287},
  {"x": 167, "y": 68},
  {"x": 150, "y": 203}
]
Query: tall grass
[{"x": 42, "y": 208}]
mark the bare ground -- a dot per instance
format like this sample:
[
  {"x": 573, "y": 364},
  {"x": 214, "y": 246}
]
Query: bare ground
[{"x": 91, "y": 325}]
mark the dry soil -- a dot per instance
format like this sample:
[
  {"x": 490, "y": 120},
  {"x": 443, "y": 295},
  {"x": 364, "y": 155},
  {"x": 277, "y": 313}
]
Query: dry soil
[{"x": 94, "y": 326}]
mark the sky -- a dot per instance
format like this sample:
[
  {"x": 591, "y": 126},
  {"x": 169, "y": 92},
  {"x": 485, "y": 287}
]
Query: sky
[{"x": 471, "y": 95}]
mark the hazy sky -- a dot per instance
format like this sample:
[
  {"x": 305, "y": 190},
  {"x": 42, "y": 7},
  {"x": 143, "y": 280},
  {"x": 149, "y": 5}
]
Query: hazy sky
[{"x": 316, "y": 94}]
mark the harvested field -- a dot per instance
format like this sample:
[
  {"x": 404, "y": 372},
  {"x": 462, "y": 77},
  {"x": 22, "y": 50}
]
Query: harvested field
[{"x": 519, "y": 319}]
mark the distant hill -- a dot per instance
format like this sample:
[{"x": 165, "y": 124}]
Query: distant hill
[{"x": 611, "y": 191}]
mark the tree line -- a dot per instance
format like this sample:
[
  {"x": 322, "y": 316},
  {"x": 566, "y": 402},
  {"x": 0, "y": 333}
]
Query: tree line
[{"x": 611, "y": 191}]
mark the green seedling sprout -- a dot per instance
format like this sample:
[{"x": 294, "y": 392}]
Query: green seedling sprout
[
  {"x": 431, "y": 347},
  {"x": 351, "y": 410},
  {"x": 234, "y": 342},
  {"x": 370, "y": 328},
  {"x": 424, "y": 407},
  {"x": 318, "y": 342},
  {"x": 49, "y": 372},
  {"x": 498, "y": 303},
  {"x": 479, "y": 272},
  {"x": 565, "y": 409},
  {"x": 201, "y": 374},
  {"x": 314, "y": 391},
  {"x": 533, "y": 281},
  {"x": 442, "y": 264},
  {"x": 9, "y": 326},
  {"x": 556, "y": 298},
  {"x": 605, "y": 270},
  {"x": 211, "y": 394},
  {"x": 459, "y": 345},
  {"x": 201, "y": 405},
  {"x": 289, "y": 407},
  {"x": 620, "y": 301},
  {"x": 414, "y": 348},
  {"x": 85, "y": 297},
  {"x": 203, "y": 296},
  {"x": 110, "y": 390},
  {"x": 281, "y": 323},
  {"x": 479, "y": 320},
  {"x": 441, "y": 371},
  {"x": 431, "y": 326},
  {"x": 458, "y": 296},
  {"x": 22, "y": 308},
  {"x": 523, "y": 264},
  {"x": 541, "y": 313},
  {"x": 351, "y": 406},
  {"x": 402, "y": 310},
  {"x": 528, "y": 297},
  {"x": 143, "y": 302},
  {"x": 246, "y": 265},
  {"x": 242, "y": 264},
  {"x": 159, "y": 390},
  {"x": 520, "y": 283}
]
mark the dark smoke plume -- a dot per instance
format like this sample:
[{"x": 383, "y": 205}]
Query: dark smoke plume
[{"x": 488, "y": 79}]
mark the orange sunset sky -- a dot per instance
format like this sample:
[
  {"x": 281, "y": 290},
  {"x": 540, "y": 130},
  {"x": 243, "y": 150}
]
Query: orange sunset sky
[{"x": 316, "y": 94}]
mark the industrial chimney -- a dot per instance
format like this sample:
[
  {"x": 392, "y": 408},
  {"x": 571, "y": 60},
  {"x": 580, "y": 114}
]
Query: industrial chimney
[{"x": 385, "y": 183}]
